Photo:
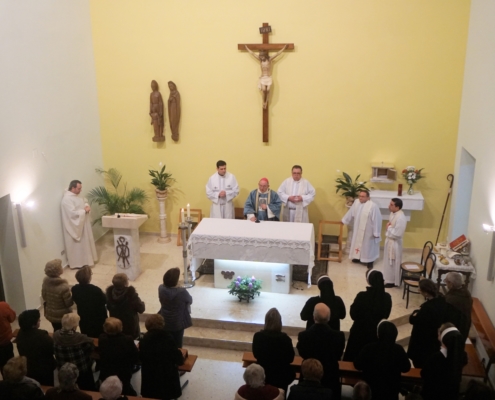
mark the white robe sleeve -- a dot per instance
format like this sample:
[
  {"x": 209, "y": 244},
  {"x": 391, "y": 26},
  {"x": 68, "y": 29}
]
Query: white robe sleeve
[
  {"x": 309, "y": 196},
  {"x": 73, "y": 218},
  {"x": 211, "y": 193},
  {"x": 349, "y": 217},
  {"x": 282, "y": 192},
  {"x": 398, "y": 230},
  {"x": 234, "y": 188},
  {"x": 377, "y": 223}
]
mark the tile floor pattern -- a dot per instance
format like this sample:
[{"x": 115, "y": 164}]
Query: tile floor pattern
[{"x": 218, "y": 373}]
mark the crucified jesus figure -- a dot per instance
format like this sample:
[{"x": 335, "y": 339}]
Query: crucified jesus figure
[{"x": 266, "y": 71}]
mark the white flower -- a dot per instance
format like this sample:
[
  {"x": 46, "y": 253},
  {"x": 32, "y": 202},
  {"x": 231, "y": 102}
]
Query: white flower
[{"x": 160, "y": 164}]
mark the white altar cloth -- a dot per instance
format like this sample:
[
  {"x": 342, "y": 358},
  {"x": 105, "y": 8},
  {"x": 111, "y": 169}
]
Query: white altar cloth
[{"x": 267, "y": 241}]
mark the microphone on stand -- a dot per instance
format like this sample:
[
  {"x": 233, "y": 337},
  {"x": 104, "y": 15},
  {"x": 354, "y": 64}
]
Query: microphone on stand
[{"x": 257, "y": 220}]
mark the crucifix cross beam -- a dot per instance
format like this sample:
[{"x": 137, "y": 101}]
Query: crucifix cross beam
[{"x": 266, "y": 62}]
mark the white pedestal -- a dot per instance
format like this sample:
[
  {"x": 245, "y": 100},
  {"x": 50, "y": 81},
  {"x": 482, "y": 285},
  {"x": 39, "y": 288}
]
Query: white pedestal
[
  {"x": 276, "y": 277},
  {"x": 413, "y": 202},
  {"x": 126, "y": 242}
]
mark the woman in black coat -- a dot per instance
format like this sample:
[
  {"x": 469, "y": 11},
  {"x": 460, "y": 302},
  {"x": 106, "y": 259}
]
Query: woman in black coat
[
  {"x": 37, "y": 346},
  {"x": 426, "y": 321},
  {"x": 160, "y": 358},
  {"x": 368, "y": 309},
  {"x": 124, "y": 303},
  {"x": 118, "y": 354},
  {"x": 442, "y": 372},
  {"x": 327, "y": 296},
  {"x": 91, "y": 303},
  {"x": 274, "y": 351},
  {"x": 383, "y": 362}
]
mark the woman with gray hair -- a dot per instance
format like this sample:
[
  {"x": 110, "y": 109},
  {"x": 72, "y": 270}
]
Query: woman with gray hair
[
  {"x": 255, "y": 387},
  {"x": 459, "y": 296},
  {"x": 15, "y": 384},
  {"x": 111, "y": 389},
  {"x": 56, "y": 294},
  {"x": 67, "y": 388},
  {"x": 274, "y": 351}
]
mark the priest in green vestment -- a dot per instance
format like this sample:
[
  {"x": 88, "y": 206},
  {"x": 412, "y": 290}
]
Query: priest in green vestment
[{"x": 262, "y": 203}]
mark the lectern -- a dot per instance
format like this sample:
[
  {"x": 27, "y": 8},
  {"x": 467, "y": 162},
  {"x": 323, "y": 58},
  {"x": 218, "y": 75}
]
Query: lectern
[{"x": 126, "y": 241}]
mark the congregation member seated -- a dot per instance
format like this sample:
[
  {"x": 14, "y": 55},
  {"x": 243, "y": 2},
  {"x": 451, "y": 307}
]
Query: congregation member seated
[
  {"x": 274, "y": 351},
  {"x": 368, "y": 309},
  {"x": 91, "y": 303},
  {"x": 76, "y": 348},
  {"x": 460, "y": 298},
  {"x": 442, "y": 371},
  {"x": 175, "y": 305},
  {"x": 478, "y": 391},
  {"x": 7, "y": 316},
  {"x": 67, "y": 388},
  {"x": 362, "y": 391},
  {"x": 383, "y": 362},
  {"x": 111, "y": 389},
  {"x": 310, "y": 388},
  {"x": 255, "y": 388},
  {"x": 118, "y": 354},
  {"x": 16, "y": 385},
  {"x": 124, "y": 303},
  {"x": 160, "y": 358},
  {"x": 37, "y": 346},
  {"x": 56, "y": 294},
  {"x": 326, "y": 345},
  {"x": 328, "y": 297},
  {"x": 432, "y": 313}
]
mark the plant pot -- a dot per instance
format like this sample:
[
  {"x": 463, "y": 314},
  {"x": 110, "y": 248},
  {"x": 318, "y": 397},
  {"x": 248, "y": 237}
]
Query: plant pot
[
  {"x": 245, "y": 296},
  {"x": 161, "y": 194},
  {"x": 349, "y": 201}
]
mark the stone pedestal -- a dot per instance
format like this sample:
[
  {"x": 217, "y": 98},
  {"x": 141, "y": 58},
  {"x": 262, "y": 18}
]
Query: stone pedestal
[{"x": 126, "y": 242}]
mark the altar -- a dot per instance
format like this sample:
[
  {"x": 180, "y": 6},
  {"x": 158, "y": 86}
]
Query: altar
[{"x": 248, "y": 242}]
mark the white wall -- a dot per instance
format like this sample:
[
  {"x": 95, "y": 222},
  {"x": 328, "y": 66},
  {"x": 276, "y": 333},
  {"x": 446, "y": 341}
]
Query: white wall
[
  {"x": 477, "y": 136},
  {"x": 49, "y": 124}
]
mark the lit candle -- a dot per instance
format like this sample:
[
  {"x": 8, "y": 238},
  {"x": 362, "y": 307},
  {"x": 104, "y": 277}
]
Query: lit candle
[
  {"x": 182, "y": 215},
  {"x": 188, "y": 211}
]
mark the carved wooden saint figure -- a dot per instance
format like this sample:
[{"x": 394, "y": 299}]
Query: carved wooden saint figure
[
  {"x": 156, "y": 112},
  {"x": 266, "y": 71},
  {"x": 174, "y": 110}
]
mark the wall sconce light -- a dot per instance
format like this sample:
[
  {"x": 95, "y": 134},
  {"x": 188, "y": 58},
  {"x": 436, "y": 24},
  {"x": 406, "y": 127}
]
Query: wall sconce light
[
  {"x": 21, "y": 224},
  {"x": 488, "y": 228}
]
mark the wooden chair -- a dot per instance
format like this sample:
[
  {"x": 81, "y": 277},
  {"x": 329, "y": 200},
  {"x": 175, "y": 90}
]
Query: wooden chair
[
  {"x": 408, "y": 273},
  {"x": 239, "y": 213},
  {"x": 410, "y": 284},
  {"x": 330, "y": 242},
  {"x": 197, "y": 216}
]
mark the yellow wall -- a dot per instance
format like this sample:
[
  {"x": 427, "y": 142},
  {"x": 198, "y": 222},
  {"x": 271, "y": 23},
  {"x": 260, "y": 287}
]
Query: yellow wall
[{"x": 368, "y": 81}]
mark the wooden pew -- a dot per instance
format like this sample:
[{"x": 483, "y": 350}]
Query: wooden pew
[
  {"x": 190, "y": 359},
  {"x": 97, "y": 395},
  {"x": 486, "y": 334}
]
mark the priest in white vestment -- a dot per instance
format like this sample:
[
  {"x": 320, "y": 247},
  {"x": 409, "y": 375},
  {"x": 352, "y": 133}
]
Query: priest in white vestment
[
  {"x": 367, "y": 225},
  {"x": 296, "y": 193},
  {"x": 78, "y": 236},
  {"x": 392, "y": 251},
  {"x": 221, "y": 189}
]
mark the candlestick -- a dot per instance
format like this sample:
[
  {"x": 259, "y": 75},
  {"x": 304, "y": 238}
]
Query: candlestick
[
  {"x": 188, "y": 211},
  {"x": 183, "y": 220}
]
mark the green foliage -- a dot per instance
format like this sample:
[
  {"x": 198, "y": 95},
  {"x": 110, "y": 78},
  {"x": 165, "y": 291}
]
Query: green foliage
[
  {"x": 112, "y": 202},
  {"x": 161, "y": 180},
  {"x": 245, "y": 288},
  {"x": 349, "y": 187}
]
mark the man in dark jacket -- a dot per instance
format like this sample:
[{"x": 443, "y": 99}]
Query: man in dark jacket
[
  {"x": 310, "y": 387},
  {"x": 460, "y": 298},
  {"x": 326, "y": 345},
  {"x": 124, "y": 303}
]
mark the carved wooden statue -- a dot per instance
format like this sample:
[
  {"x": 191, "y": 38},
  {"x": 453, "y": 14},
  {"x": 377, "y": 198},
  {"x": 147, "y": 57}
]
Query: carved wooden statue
[
  {"x": 174, "y": 110},
  {"x": 156, "y": 112}
]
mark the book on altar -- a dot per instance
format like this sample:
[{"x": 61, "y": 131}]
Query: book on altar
[
  {"x": 411, "y": 267},
  {"x": 459, "y": 243}
]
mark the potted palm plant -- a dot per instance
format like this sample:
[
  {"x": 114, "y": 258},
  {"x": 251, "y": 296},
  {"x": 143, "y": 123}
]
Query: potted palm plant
[
  {"x": 117, "y": 201},
  {"x": 161, "y": 180},
  {"x": 350, "y": 188}
]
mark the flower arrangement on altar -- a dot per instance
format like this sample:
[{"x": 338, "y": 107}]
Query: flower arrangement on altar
[
  {"x": 245, "y": 288},
  {"x": 411, "y": 175}
]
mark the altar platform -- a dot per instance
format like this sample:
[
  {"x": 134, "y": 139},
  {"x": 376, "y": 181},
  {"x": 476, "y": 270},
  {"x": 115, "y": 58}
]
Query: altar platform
[{"x": 216, "y": 304}]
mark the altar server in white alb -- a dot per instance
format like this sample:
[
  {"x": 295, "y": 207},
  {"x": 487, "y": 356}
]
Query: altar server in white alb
[
  {"x": 296, "y": 193},
  {"x": 78, "y": 236},
  {"x": 392, "y": 251},
  {"x": 367, "y": 224},
  {"x": 221, "y": 189}
]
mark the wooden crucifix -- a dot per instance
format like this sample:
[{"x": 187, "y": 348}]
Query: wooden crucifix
[{"x": 266, "y": 62}]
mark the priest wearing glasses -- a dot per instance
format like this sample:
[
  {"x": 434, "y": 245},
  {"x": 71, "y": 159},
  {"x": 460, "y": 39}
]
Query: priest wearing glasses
[{"x": 263, "y": 204}]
